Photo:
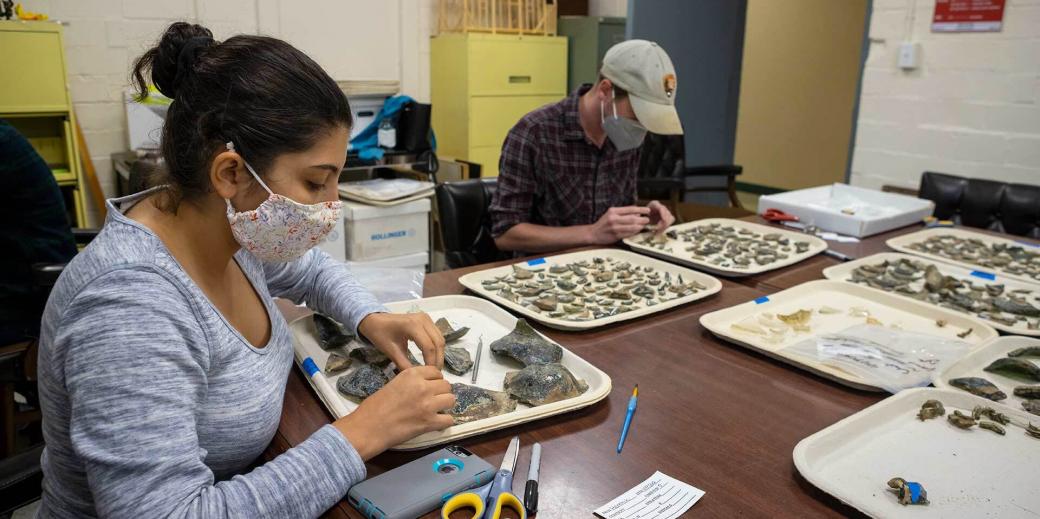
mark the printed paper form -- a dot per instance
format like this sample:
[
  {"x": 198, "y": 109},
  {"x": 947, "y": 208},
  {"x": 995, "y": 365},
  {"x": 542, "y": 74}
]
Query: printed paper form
[{"x": 659, "y": 497}]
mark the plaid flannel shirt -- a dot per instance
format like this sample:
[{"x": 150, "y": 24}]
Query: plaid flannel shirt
[{"x": 550, "y": 173}]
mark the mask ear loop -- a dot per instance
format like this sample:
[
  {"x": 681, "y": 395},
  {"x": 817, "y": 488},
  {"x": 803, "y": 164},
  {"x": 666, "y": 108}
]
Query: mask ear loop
[
  {"x": 231, "y": 147},
  {"x": 613, "y": 102},
  {"x": 603, "y": 109}
]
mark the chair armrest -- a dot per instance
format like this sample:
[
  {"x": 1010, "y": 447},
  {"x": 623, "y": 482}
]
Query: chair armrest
[
  {"x": 46, "y": 274},
  {"x": 12, "y": 361},
  {"x": 713, "y": 170},
  {"x": 661, "y": 183},
  {"x": 83, "y": 236}
]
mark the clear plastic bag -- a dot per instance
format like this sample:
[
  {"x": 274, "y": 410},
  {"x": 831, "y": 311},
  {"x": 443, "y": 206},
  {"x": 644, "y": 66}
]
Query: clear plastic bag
[
  {"x": 887, "y": 358},
  {"x": 391, "y": 284}
]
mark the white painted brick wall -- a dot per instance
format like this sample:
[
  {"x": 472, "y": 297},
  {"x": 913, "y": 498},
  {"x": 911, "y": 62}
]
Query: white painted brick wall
[
  {"x": 104, "y": 37},
  {"x": 971, "y": 109}
]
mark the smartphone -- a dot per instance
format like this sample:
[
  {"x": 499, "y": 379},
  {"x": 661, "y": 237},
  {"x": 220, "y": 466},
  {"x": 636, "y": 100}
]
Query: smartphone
[{"x": 421, "y": 486}]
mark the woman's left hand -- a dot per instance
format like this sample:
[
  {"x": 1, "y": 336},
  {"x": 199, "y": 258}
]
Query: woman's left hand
[
  {"x": 390, "y": 333},
  {"x": 660, "y": 216}
]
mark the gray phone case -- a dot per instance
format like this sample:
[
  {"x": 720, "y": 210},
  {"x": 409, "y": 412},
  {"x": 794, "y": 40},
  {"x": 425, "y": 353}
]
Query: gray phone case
[{"x": 421, "y": 486}]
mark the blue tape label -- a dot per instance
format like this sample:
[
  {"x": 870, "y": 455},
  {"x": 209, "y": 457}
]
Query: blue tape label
[
  {"x": 1028, "y": 244},
  {"x": 915, "y": 491},
  {"x": 983, "y": 275},
  {"x": 763, "y": 299},
  {"x": 310, "y": 367},
  {"x": 538, "y": 261}
]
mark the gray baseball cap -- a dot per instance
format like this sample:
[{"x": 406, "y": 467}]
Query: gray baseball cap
[{"x": 645, "y": 71}]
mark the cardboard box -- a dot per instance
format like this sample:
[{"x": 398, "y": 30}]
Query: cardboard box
[
  {"x": 413, "y": 261},
  {"x": 850, "y": 210},
  {"x": 373, "y": 232}
]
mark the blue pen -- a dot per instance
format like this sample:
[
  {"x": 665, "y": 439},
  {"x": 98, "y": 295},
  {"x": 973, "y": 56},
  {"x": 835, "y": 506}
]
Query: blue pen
[
  {"x": 628, "y": 418},
  {"x": 322, "y": 386}
]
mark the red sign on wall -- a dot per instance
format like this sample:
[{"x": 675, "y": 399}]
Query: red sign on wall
[{"x": 968, "y": 16}]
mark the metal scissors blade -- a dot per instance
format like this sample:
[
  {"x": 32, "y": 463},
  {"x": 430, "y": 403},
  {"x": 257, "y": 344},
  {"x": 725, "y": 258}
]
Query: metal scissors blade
[{"x": 509, "y": 460}]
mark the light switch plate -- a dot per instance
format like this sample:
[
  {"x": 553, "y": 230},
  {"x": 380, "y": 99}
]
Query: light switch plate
[{"x": 909, "y": 55}]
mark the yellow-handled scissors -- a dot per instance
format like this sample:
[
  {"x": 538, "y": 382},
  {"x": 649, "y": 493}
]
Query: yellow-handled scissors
[{"x": 489, "y": 500}]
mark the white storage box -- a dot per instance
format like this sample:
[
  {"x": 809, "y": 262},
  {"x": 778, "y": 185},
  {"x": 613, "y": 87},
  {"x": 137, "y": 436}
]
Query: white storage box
[
  {"x": 334, "y": 243},
  {"x": 850, "y": 210},
  {"x": 415, "y": 261},
  {"x": 381, "y": 232}
]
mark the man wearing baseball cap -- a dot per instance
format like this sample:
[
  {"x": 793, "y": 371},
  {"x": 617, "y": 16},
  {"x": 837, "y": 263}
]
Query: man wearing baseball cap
[{"x": 567, "y": 175}]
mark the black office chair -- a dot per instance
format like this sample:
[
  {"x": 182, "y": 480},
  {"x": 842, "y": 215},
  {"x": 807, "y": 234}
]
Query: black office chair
[
  {"x": 663, "y": 172},
  {"x": 986, "y": 204},
  {"x": 465, "y": 223},
  {"x": 20, "y": 480}
]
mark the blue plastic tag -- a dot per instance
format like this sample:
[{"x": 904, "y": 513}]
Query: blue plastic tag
[
  {"x": 309, "y": 367},
  {"x": 983, "y": 275},
  {"x": 915, "y": 491},
  {"x": 763, "y": 299},
  {"x": 537, "y": 261},
  {"x": 1027, "y": 244}
]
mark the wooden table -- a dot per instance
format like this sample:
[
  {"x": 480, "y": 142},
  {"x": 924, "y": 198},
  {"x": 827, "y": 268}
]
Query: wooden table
[{"x": 718, "y": 416}]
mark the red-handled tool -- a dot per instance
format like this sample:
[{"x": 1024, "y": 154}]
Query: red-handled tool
[{"x": 776, "y": 215}]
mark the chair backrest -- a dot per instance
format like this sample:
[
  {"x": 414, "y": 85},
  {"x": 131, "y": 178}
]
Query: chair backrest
[
  {"x": 987, "y": 204},
  {"x": 465, "y": 222},
  {"x": 662, "y": 156}
]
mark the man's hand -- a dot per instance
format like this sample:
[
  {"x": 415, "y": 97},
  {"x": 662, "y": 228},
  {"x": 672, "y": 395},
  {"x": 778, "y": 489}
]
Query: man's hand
[
  {"x": 660, "y": 216},
  {"x": 390, "y": 333},
  {"x": 619, "y": 223}
]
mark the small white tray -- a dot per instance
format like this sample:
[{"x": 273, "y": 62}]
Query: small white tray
[
  {"x": 843, "y": 271},
  {"x": 902, "y": 244},
  {"x": 482, "y": 318},
  {"x": 675, "y": 250},
  {"x": 383, "y": 190},
  {"x": 474, "y": 282},
  {"x": 972, "y": 473},
  {"x": 851, "y": 210},
  {"x": 391, "y": 203},
  {"x": 971, "y": 366},
  {"x": 909, "y": 315}
]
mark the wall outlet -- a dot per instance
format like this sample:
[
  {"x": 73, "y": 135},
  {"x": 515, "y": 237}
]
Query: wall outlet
[{"x": 909, "y": 55}]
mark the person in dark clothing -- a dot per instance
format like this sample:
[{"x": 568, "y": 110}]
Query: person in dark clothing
[
  {"x": 567, "y": 174},
  {"x": 34, "y": 228}
]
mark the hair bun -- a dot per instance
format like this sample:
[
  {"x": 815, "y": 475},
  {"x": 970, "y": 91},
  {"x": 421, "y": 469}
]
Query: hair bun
[{"x": 176, "y": 54}]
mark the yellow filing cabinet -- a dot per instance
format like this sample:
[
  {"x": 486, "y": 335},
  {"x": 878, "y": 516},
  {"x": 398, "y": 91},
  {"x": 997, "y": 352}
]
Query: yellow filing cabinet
[
  {"x": 482, "y": 84},
  {"x": 34, "y": 98}
]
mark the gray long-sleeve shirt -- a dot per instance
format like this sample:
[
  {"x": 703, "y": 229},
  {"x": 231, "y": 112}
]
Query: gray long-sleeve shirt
[{"x": 153, "y": 404}]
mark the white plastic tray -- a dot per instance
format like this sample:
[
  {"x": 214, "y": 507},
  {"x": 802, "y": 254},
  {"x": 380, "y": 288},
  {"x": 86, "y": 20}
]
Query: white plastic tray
[
  {"x": 843, "y": 271},
  {"x": 391, "y": 203},
  {"x": 973, "y": 473},
  {"x": 909, "y": 315},
  {"x": 675, "y": 250},
  {"x": 386, "y": 190},
  {"x": 902, "y": 244},
  {"x": 851, "y": 210},
  {"x": 473, "y": 282},
  {"x": 482, "y": 318},
  {"x": 971, "y": 366}
]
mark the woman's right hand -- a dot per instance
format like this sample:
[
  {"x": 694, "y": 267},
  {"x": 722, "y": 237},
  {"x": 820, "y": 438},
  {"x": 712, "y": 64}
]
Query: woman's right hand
[{"x": 409, "y": 405}]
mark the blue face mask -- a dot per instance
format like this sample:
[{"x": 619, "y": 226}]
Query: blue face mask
[{"x": 626, "y": 134}]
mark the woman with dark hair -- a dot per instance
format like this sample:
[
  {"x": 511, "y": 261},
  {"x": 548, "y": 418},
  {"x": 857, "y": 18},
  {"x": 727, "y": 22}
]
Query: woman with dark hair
[{"x": 163, "y": 360}]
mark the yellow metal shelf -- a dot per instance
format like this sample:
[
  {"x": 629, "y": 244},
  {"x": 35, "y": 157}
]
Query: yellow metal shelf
[
  {"x": 34, "y": 98},
  {"x": 482, "y": 84}
]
